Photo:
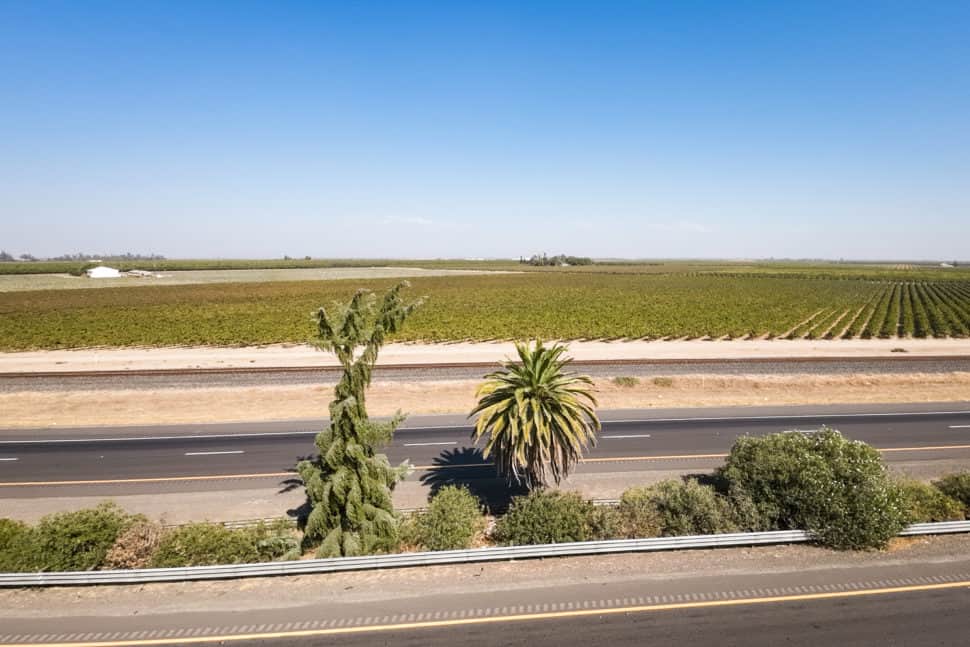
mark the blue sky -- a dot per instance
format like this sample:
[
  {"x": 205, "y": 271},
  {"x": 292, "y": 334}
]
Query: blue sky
[{"x": 437, "y": 129}]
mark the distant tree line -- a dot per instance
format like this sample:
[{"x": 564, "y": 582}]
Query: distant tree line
[
  {"x": 561, "y": 259},
  {"x": 127, "y": 256},
  {"x": 81, "y": 257},
  {"x": 4, "y": 256}
]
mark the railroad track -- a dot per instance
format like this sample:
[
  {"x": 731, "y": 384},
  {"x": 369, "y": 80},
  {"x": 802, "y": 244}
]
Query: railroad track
[{"x": 245, "y": 370}]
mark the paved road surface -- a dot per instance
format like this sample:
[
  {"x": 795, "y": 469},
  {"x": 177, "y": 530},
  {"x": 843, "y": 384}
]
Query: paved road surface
[
  {"x": 895, "y": 602},
  {"x": 921, "y": 618},
  {"x": 228, "y": 456}
]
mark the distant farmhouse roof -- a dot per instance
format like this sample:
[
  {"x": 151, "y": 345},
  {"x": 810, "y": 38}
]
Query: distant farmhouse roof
[{"x": 102, "y": 272}]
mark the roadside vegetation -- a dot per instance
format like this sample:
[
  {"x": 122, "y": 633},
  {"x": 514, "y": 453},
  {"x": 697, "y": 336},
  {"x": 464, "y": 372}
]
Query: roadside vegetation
[
  {"x": 536, "y": 420},
  {"x": 563, "y": 303},
  {"x": 535, "y": 416},
  {"x": 105, "y": 537},
  {"x": 349, "y": 484}
]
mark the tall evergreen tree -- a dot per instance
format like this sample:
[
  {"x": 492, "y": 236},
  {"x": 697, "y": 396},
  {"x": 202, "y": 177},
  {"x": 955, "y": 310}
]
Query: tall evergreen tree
[{"x": 349, "y": 484}]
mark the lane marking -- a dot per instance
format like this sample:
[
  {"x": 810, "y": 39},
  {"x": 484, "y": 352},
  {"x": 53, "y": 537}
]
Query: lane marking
[
  {"x": 53, "y": 441},
  {"x": 233, "y": 451},
  {"x": 152, "y": 479},
  {"x": 9, "y": 459},
  {"x": 435, "y": 468},
  {"x": 424, "y": 468},
  {"x": 519, "y": 617},
  {"x": 621, "y": 459},
  {"x": 959, "y": 426},
  {"x": 628, "y": 436},
  {"x": 819, "y": 416},
  {"x": 454, "y": 442},
  {"x": 823, "y": 416}
]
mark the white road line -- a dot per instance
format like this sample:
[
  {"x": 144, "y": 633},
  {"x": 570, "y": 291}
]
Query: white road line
[
  {"x": 48, "y": 441},
  {"x": 959, "y": 426},
  {"x": 821, "y": 416},
  {"x": 9, "y": 459},
  {"x": 629, "y": 436},
  {"x": 455, "y": 442},
  {"x": 236, "y": 451}
]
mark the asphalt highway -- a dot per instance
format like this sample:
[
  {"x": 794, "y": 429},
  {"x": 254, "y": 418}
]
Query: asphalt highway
[
  {"x": 214, "y": 456},
  {"x": 917, "y": 618},
  {"x": 895, "y": 601}
]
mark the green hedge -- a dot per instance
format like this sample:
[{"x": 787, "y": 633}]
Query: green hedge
[
  {"x": 956, "y": 486},
  {"x": 207, "y": 544},
  {"x": 545, "y": 517},
  {"x": 835, "y": 488},
  {"x": 925, "y": 503},
  {"x": 688, "y": 508},
  {"x": 69, "y": 541},
  {"x": 451, "y": 522}
]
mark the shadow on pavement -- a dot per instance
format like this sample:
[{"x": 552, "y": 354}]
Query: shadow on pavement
[{"x": 466, "y": 467}]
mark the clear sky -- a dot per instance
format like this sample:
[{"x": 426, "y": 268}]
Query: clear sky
[{"x": 492, "y": 129}]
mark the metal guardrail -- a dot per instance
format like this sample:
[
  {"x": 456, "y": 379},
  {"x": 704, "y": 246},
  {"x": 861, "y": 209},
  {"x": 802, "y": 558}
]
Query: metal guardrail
[
  {"x": 938, "y": 528},
  {"x": 371, "y": 562}
]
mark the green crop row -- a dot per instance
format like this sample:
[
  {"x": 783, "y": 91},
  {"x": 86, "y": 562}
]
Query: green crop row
[
  {"x": 917, "y": 309},
  {"x": 481, "y": 307}
]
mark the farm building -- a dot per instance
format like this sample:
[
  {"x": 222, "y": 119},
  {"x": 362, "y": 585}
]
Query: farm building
[{"x": 102, "y": 272}]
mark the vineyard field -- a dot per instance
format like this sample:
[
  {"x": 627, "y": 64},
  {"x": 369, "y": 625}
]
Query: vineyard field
[{"x": 562, "y": 305}]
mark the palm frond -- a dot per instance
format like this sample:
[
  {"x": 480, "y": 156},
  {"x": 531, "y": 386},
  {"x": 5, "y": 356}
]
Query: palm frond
[{"x": 535, "y": 416}]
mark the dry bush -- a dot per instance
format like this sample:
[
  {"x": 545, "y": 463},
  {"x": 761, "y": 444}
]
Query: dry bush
[{"x": 135, "y": 546}]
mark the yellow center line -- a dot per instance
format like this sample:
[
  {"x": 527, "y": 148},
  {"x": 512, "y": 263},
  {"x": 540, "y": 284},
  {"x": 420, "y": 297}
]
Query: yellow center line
[
  {"x": 523, "y": 617},
  {"x": 423, "y": 468}
]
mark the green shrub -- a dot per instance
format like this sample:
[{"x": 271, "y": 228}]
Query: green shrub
[
  {"x": 605, "y": 522},
  {"x": 16, "y": 553},
  {"x": 408, "y": 533},
  {"x": 924, "y": 503},
  {"x": 627, "y": 381},
  {"x": 638, "y": 514},
  {"x": 956, "y": 486},
  {"x": 275, "y": 540},
  {"x": 11, "y": 530},
  {"x": 204, "y": 544},
  {"x": 452, "y": 521},
  {"x": 77, "y": 541},
  {"x": 689, "y": 508},
  {"x": 207, "y": 544},
  {"x": 545, "y": 517},
  {"x": 835, "y": 488},
  {"x": 745, "y": 513},
  {"x": 664, "y": 382}
]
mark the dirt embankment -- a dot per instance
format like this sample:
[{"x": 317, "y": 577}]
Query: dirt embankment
[
  {"x": 72, "y": 408},
  {"x": 115, "y": 359}
]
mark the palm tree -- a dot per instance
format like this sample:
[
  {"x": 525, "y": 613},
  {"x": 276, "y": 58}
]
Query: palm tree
[{"x": 536, "y": 415}]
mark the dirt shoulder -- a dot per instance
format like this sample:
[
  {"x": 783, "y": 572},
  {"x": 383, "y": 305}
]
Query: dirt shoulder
[
  {"x": 117, "y": 359},
  {"x": 231, "y": 404}
]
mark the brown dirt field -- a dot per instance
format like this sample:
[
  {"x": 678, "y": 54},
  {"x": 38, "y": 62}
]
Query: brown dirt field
[{"x": 79, "y": 408}]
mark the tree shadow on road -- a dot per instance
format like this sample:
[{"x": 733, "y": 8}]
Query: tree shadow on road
[
  {"x": 302, "y": 511},
  {"x": 466, "y": 467}
]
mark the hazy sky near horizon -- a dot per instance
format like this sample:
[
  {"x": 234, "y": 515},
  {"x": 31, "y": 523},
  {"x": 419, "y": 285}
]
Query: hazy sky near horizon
[{"x": 486, "y": 129}]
